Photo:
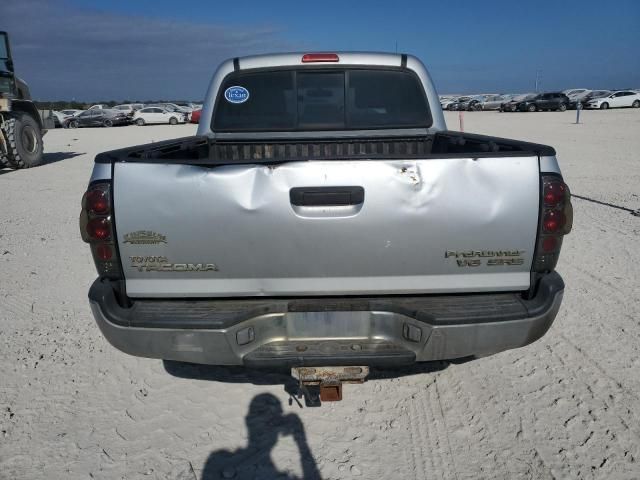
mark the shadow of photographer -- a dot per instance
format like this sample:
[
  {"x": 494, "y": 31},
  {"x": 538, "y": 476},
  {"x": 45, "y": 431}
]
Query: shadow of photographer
[{"x": 266, "y": 422}]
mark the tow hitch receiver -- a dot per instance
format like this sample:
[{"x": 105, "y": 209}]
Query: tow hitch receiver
[{"x": 329, "y": 379}]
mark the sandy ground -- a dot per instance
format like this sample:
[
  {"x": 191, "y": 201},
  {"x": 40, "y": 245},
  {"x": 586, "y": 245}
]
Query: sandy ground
[{"x": 568, "y": 406}]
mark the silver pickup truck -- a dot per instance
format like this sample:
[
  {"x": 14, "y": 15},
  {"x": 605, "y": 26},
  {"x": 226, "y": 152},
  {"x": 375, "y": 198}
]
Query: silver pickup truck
[{"x": 322, "y": 216}]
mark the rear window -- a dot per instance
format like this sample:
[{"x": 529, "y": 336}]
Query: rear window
[{"x": 328, "y": 99}]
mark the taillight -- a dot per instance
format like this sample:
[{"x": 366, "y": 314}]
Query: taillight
[
  {"x": 99, "y": 228},
  {"x": 97, "y": 201},
  {"x": 556, "y": 217},
  {"x": 96, "y": 228},
  {"x": 320, "y": 57},
  {"x": 554, "y": 192}
]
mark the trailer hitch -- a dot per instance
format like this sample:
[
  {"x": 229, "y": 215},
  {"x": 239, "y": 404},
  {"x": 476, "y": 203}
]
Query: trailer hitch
[{"x": 328, "y": 379}]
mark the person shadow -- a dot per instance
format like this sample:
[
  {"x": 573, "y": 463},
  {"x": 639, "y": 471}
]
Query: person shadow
[{"x": 266, "y": 422}]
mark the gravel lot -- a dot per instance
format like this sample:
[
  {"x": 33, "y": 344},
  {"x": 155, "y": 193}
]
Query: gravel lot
[{"x": 568, "y": 406}]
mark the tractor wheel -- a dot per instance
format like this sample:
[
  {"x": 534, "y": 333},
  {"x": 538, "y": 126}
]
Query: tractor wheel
[
  {"x": 25, "y": 141},
  {"x": 4, "y": 161}
]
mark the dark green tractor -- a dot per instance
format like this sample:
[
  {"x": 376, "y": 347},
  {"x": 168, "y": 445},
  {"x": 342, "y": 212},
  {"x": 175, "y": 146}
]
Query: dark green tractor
[{"x": 21, "y": 128}]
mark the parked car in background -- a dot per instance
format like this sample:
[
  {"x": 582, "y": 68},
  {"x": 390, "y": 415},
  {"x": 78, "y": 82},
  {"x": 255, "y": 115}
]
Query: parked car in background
[
  {"x": 619, "y": 99},
  {"x": 474, "y": 102},
  {"x": 129, "y": 108},
  {"x": 511, "y": 104},
  {"x": 447, "y": 102},
  {"x": 493, "y": 102},
  {"x": 576, "y": 92},
  {"x": 98, "y": 117},
  {"x": 99, "y": 106},
  {"x": 544, "y": 101},
  {"x": 195, "y": 116},
  {"x": 71, "y": 112},
  {"x": 172, "y": 107},
  {"x": 58, "y": 118},
  {"x": 150, "y": 115},
  {"x": 590, "y": 95},
  {"x": 461, "y": 103},
  {"x": 188, "y": 106}
]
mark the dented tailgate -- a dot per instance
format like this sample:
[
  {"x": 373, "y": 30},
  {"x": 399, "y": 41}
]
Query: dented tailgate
[{"x": 436, "y": 225}]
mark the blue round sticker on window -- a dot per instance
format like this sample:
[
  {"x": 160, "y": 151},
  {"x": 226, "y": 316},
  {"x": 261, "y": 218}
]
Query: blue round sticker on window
[{"x": 236, "y": 94}]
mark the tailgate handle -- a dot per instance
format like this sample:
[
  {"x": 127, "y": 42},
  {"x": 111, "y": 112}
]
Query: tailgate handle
[{"x": 326, "y": 196}]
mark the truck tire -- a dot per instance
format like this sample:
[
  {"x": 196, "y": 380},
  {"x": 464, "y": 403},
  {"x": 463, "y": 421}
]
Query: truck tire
[
  {"x": 4, "y": 161},
  {"x": 25, "y": 141}
]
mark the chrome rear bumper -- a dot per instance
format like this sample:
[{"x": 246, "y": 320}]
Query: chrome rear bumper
[{"x": 381, "y": 331}]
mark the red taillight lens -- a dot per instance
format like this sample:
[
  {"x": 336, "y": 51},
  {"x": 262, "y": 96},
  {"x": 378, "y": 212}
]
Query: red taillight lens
[
  {"x": 98, "y": 231},
  {"x": 554, "y": 193},
  {"x": 104, "y": 252},
  {"x": 99, "y": 228},
  {"x": 320, "y": 57},
  {"x": 549, "y": 244},
  {"x": 554, "y": 220},
  {"x": 97, "y": 202}
]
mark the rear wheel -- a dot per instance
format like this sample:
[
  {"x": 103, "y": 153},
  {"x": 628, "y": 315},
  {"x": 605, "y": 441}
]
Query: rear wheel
[
  {"x": 140, "y": 122},
  {"x": 636, "y": 104},
  {"x": 4, "y": 161},
  {"x": 562, "y": 107},
  {"x": 173, "y": 121},
  {"x": 531, "y": 108},
  {"x": 107, "y": 123},
  {"x": 72, "y": 124},
  {"x": 24, "y": 141},
  {"x": 604, "y": 106}
]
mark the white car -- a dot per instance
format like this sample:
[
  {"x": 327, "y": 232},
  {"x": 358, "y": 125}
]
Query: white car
[
  {"x": 150, "y": 115},
  {"x": 621, "y": 98}
]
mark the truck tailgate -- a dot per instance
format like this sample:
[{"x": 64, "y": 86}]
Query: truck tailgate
[{"x": 327, "y": 227}]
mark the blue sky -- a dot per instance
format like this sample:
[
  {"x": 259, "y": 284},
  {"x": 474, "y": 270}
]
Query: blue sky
[{"x": 145, "y": 49}]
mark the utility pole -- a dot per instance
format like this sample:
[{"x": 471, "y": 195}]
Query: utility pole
[{"x": 537, "y": 80}]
